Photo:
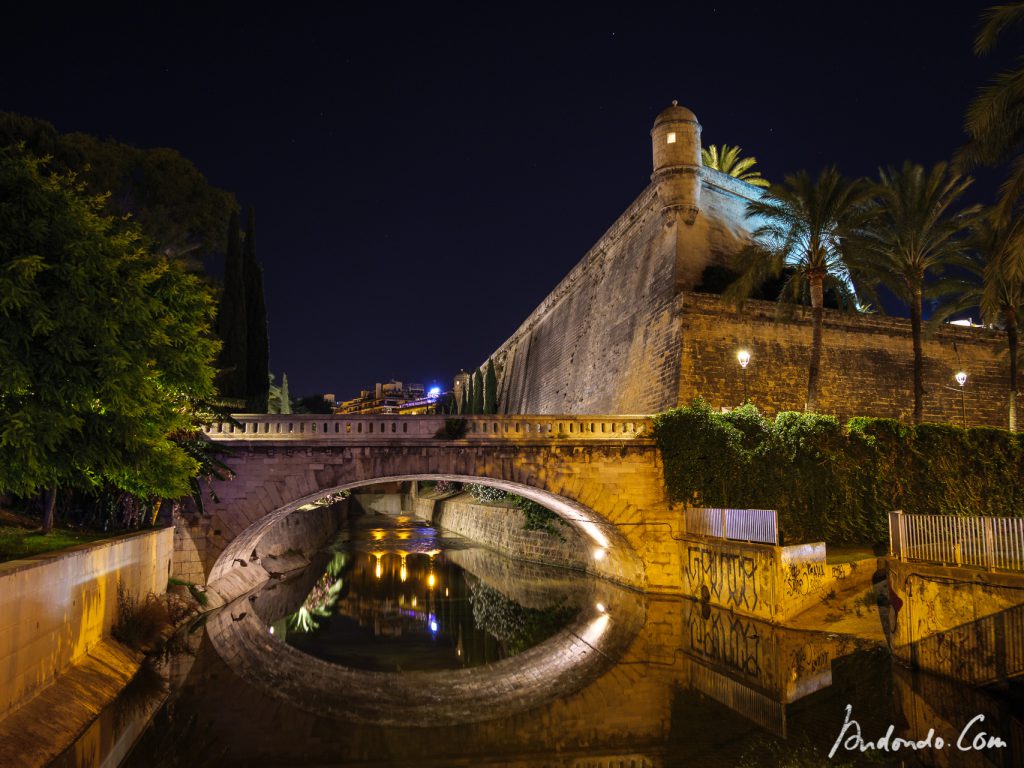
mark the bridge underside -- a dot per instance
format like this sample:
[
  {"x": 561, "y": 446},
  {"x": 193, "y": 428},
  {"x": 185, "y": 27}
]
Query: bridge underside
[{"x": 611, "y": 493}]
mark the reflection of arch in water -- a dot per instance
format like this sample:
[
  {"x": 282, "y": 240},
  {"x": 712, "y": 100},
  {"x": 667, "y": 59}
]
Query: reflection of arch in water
[
  {"x": 564, "y": 663},
  {"x": 613, "y": 558}
]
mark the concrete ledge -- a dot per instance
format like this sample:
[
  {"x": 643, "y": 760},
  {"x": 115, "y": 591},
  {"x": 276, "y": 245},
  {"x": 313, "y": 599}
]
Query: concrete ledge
[{"x": 56, "y": 716}]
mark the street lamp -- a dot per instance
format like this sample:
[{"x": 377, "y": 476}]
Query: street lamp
[
  {"x": 961, "y": 379},
  {"x": 743, "y": 356}
]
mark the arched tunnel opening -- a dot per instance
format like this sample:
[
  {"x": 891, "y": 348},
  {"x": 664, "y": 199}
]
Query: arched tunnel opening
[
  {"x": 579, "y": 537},
  {"x": 457, "y": 614}
]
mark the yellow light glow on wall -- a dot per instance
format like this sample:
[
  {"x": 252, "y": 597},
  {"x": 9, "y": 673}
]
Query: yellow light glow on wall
[{"x": 672, "y": 138}]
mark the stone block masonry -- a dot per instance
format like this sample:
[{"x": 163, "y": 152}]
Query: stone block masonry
[
  {"x": 501, "y": 528},
  {"x": 55, "y": 608},
  {"x": 625, "y": 331}
]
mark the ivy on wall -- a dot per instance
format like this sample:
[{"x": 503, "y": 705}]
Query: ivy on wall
[{"x": 832, "y": 482}]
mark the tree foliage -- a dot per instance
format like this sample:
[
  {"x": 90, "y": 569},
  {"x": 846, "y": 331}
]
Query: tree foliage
[
  {"x": 177, "y": 209},
  {"x": 914, "y": 235},
  {"x": 104, "y": 348},
  {"x": 257, "y": 342},
  {"x": 836, "y": 484},
  {"x": 804, "y": 225},
  {"x": 728, "y": 161},
  {"x": 490, "y": 389},
  {"x": 477, "y": 393},
  {"x": 232, "y": 318}
]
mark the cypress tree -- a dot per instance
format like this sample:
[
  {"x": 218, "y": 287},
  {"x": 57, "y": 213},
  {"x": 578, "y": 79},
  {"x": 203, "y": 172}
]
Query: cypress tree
[
  {"x": 257, "y": 357},
  {"x": 469, "y": 396},
  {"x": 478, "y": 392},
  {"x": 490, "y": 389},
  {"x": 464, "y": 405},
  {"x": 231, "y": 319},
  {"x": 286, "y": 401}
]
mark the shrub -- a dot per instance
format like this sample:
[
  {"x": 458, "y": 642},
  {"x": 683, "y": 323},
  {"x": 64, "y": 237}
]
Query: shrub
[
  {"x": 145, "y": 625},
  {"x": 486, "y": 492},
  {"x": 832, "y": 483},
  {"x": 453, "y": 429}
]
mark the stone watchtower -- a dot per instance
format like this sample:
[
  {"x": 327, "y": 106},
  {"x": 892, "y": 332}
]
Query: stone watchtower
[{"x": 675, "y": 140}]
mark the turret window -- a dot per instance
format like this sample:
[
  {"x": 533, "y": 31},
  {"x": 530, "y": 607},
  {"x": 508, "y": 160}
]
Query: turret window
[{"x": 672, "y": 138}]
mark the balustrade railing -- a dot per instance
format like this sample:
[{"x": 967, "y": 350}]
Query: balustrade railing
[
  {"x": 983, "y": 542},
  {"x": 754, "y": 525},
  {"x": 383, "y": 428}
]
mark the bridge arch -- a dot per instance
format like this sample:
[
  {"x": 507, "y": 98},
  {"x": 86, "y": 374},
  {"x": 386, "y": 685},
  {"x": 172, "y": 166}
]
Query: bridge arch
[
  {"x": 601, "y": 474},
  {"x": 612, "y": 556}
]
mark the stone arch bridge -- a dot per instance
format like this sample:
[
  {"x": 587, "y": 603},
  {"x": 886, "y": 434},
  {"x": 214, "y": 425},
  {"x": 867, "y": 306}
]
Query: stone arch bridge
[{"x": 601, "y": 474}]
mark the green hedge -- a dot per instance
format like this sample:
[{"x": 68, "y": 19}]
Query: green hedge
[{"x": 836, "y": 483}]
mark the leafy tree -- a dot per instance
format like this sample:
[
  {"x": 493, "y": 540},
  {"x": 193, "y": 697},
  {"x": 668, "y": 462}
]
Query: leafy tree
[
  {"x": 105, "y": 349},
  {"x": 804, "y": 224},
  {"x": 257, "y": 354},
  {"x": 995, "y": 285},
  {"x": 478, "y": 392},
  {"x": 231, "y": 319},
  {"x": 178, "y": 210},
  {"x": 728, "y": 161},
  {"x": 490, "y": 389},
  {"x": 914, "y": 236},
  {"x": 995, "y": 119}
]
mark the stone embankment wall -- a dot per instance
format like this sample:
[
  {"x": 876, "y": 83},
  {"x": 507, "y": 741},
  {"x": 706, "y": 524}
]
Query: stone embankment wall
[
  {"x": 760, "y": 580},
  {"x": 501, "y": 529},
  {"x": 963, "y": 623},
  {"x": 57, "y": 607},
  {"x": 285, "y": 546}
]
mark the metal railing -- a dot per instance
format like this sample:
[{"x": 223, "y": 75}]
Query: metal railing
[
  {"x": 754, "y": 525},
  {"x": 983, "y": 542},
  {"x": 359, "y": 429}
]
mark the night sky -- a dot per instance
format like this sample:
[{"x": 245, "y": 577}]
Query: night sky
[{"x": 423, "y": 177}]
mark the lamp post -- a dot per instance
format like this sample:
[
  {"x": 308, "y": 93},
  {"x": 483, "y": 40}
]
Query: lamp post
[
  {"x": 961, "y": 379},
  {"x": 743, "y": 356}
]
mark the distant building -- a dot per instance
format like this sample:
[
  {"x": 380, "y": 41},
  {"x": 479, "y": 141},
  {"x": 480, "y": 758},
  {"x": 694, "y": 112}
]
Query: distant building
[{"x": 391, "y": 397}]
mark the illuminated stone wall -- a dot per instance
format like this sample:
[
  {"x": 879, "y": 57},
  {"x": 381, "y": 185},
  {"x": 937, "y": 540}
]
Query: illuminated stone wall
[
  {"x": 56, "y": 607},
  {"x": 611, "y": 492},
  {"x": 502, "y": 529},
  {"x": 624, "y": 332}
]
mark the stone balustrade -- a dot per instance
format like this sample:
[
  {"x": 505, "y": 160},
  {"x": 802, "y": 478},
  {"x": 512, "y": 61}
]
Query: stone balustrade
[{"x": 359, "y": 429}]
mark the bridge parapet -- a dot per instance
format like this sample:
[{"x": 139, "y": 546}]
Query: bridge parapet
[{"x": 359, "y": 429}]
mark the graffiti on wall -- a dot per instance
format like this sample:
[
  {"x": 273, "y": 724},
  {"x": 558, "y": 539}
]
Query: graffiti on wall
[
  {"x": 729, "y": 578},
  {"x": 726, "y": 639}
]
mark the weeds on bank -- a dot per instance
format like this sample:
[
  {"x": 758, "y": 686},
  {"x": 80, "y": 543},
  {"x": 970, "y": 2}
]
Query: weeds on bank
[{"x": 147, "y": 625}]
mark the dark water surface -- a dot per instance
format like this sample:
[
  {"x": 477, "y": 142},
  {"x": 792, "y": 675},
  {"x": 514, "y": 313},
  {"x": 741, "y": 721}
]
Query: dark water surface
[{"x": 402, "y": 645}]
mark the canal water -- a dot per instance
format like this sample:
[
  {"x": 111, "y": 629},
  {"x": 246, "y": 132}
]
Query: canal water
[{"x": 402, "y": 645}]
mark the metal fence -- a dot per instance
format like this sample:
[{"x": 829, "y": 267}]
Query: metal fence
[
  {"x": 984, "y": 542},
  {"x": 755, "y": 525}
]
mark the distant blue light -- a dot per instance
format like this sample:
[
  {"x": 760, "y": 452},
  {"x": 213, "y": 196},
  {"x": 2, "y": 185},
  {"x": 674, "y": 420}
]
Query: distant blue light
[
  {"x": 433, "y": 626},
  {"x": 434, "y": 391}
]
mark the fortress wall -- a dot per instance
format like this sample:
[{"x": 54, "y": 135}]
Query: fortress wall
[
  {"x": 867, "y": 363},
  {"x": 607, "y": 339},
  {"x": 604, "y": 341}
]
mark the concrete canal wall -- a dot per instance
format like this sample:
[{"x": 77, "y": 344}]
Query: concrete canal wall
[
  {"x": 964, "y": 623},
  {"x": 56, "y": 607},
  {"x": 760, "y": 580}
]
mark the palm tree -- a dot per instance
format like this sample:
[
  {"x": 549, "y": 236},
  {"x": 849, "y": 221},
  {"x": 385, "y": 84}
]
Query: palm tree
[
  {"x": 803, "y": 229},
  {"x": 913, "y": 236},
  {"x": 995, "y": 285},
  {"x": 995, "y": 119},
  {"x": 728, "y": 160}
]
